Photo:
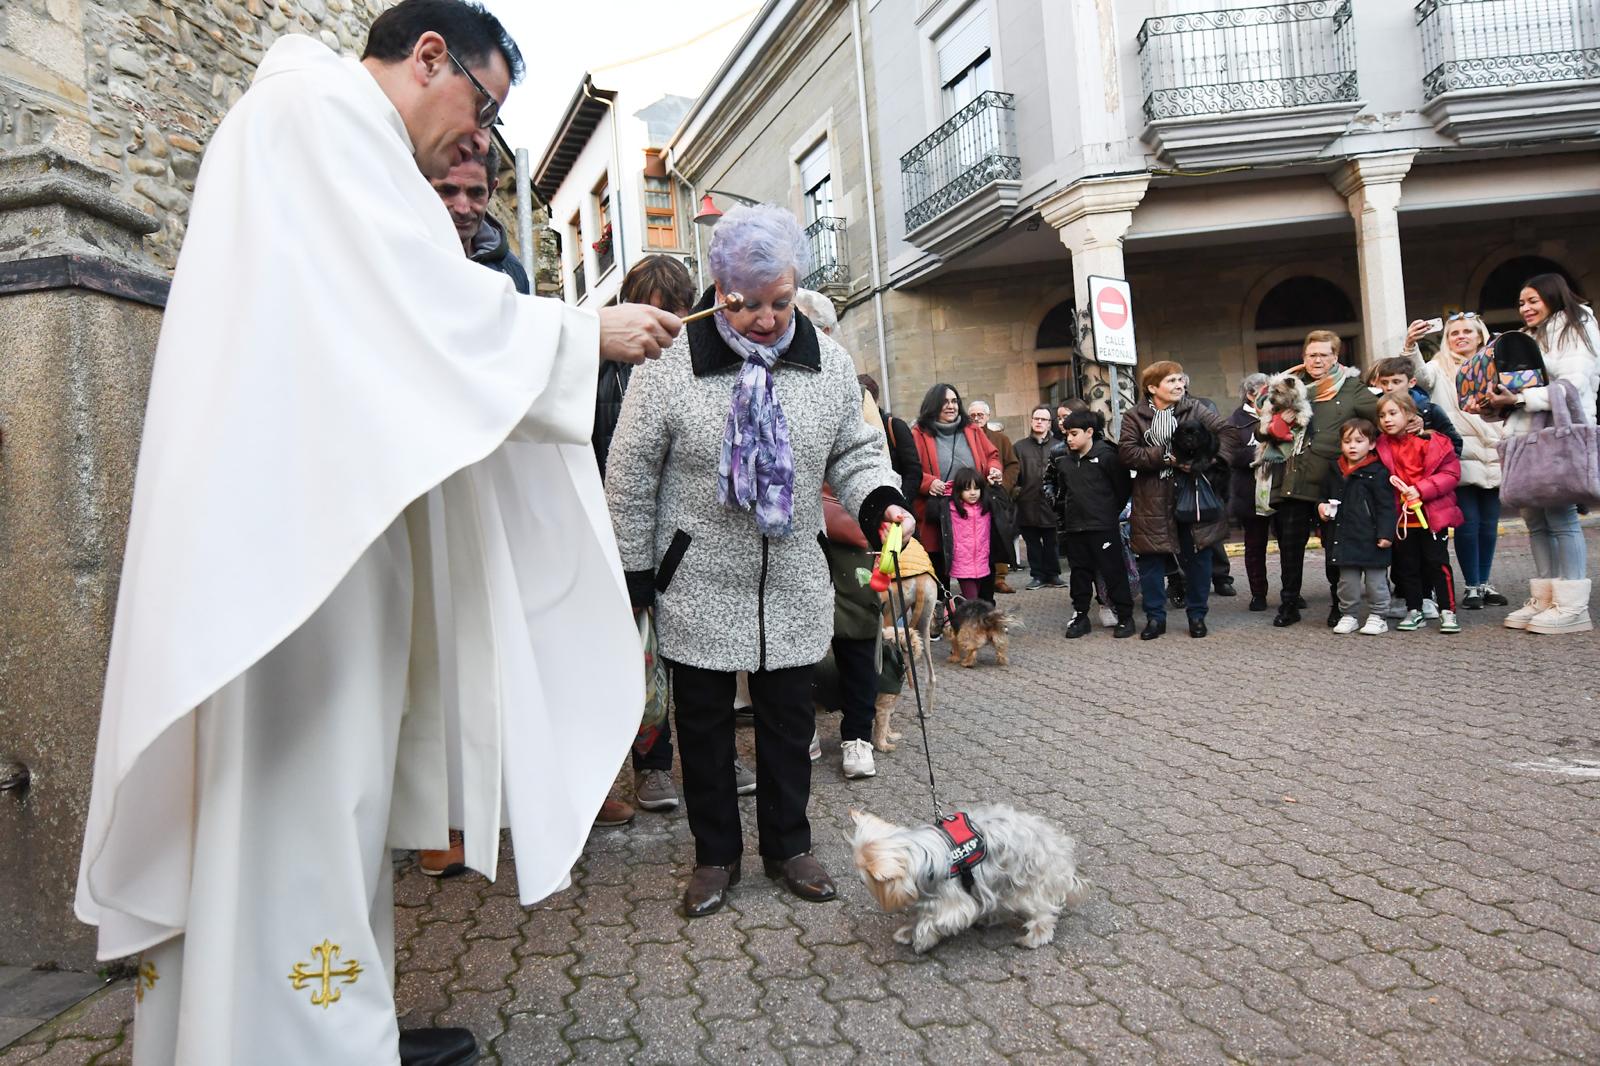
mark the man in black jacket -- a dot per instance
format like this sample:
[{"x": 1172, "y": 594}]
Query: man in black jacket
[
  {"x": 1036, "y": 519},
  {"x": 466, "y": 191},
  {"x": 1093, "y": 485}
]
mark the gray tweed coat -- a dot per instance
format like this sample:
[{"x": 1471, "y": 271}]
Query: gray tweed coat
[{"x": 726, "y": 597}]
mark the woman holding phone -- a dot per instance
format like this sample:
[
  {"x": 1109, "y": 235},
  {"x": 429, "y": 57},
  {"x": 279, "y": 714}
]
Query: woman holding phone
[
  {"x": 1565, "y": 328},
  {"x": 1478, "y": 495}
]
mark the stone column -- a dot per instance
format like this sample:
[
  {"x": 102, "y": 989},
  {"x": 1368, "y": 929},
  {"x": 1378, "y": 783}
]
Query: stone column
[
  {"x": 79, "y": 319},
  {"x": 1091, "y": 217},
  {"x": 1370, "y": 184}
]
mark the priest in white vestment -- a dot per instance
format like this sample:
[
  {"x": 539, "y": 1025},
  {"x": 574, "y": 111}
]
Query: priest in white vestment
[{"x": 342, "y": 405}]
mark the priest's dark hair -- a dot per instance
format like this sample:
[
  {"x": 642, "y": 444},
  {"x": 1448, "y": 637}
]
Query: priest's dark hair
[{"x": 470, "y": 31}]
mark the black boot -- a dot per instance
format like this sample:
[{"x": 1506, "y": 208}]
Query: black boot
[
  {"x": 1224, "y": 587},
  {"x": 1124, "y": 625},
  {"x": 437, "y": 1047},
  {"x": 1079, "y": 626},
  {"x": 1287, "y": 615},
  {"x": 1153, "y": 629}
]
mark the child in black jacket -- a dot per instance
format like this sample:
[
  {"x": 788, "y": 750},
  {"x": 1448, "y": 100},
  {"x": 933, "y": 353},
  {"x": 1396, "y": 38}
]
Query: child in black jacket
[
  {"x": 1358, "y": 506},
  {"x": 1092, "y": 486}
]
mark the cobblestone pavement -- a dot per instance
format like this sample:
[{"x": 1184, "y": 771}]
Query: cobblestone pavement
[{"x": 1360, "y": 851}]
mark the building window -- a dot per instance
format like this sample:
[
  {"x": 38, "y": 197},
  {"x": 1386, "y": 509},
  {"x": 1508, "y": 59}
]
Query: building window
[
  {"x": 604, "y": 248},
  {"x": 816, "y": 182},
  {"x": 965, "y": 67},
  {"x": 1295, "y": 307},
  {"x": 660, "y": 202},
  {"x": 575, "y": 242}
]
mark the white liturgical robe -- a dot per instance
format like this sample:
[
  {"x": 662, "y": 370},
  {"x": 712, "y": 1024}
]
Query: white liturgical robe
[{"x": 333, "y": 373}]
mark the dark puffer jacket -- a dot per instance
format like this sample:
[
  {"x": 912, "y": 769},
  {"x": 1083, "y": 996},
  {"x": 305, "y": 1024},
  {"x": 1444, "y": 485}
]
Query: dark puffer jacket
[
  {"x": 1365, "y": 516},
  {"x": 1091, "y": 488},
  {"x": 1153, "y": 526},
  {"x": 1242, "y": 482}
]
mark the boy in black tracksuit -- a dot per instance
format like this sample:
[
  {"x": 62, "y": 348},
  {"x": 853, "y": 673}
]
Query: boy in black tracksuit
[{"x": 1091, "y": 486}]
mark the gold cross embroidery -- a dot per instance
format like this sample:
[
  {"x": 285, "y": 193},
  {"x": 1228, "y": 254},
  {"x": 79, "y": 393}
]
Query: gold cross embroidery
[
  {"x": 144, "y": 980},
  {"x": 327, "y": 951}
]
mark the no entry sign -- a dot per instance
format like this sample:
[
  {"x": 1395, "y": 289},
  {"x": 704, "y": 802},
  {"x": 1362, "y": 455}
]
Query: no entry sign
[{"x": 1112, "y": 318}]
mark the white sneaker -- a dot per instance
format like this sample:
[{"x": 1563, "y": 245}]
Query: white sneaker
[
  {"x": 1108, "y": 617},
  {"x": 1347, "y": 625},
  {"x": 1448, "y": 623},
  {"x": 1430, "y": 610},
  {"x": 1413, "y": 621},
  {"x": 1375, "y": 626},
  {"x": 858, "y": 759}
]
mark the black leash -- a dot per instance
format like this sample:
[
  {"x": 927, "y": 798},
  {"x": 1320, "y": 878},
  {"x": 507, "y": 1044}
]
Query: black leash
[{"x": 908, "y": 652}]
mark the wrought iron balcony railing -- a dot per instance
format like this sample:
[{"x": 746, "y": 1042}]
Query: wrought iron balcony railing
[
  {"x": 1483, "y": 44},
  {"x": 830, "y": 262},
  {"x": 580, "y": 282},
  {"x": 976, "y": 146},
  {"x": 1247, "y": 59}
]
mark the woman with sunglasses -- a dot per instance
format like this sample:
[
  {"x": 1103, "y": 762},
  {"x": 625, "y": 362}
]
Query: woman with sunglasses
[{"x": 1478, "y": 494}]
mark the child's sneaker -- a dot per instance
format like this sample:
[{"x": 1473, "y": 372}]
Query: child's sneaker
[
  {"x": 1411, "y": 622},
  {"x": 1448, "y": 623},
  {"x": 1375, "y": 626},
  {"x": 1347, "y": 625},
  {"x": 1430, "y": 610}
]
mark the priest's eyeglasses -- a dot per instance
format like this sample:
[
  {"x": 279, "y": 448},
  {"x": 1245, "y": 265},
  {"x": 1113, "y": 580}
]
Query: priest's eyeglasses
[{"x": 489, "y": 110}]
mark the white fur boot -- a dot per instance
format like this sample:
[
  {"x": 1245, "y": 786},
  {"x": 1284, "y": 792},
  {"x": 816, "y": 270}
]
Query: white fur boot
[
  {"x": 1569, "y": 613},
  {"x": 1541, "y": 594}
]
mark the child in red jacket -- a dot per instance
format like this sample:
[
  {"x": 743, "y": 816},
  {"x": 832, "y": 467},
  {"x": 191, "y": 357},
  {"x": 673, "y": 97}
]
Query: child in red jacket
[{"x": 1424, "y": 471}]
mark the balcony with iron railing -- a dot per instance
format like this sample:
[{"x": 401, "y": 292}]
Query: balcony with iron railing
[
  {"x": 830, "y": 261},
  {"x": 1249, "y": 84},
  {"x": 963, "y": 180},
  {"x": 1505, "y": 70},
  {"x": 580, "y": 281}
]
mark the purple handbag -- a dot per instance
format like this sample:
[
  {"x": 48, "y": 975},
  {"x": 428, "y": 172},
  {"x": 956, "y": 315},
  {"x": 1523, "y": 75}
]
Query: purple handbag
[{"x": 1557, "y": 463}]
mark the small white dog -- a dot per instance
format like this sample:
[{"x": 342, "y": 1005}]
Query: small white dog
[{"x": 1027, "y": 871}]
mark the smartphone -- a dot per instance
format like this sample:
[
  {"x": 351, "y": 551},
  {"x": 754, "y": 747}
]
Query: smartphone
[{"x": 1435, "y": 325}]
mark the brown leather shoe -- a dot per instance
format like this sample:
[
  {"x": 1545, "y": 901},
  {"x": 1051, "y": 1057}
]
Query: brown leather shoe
[
  {"x": 804, "y": 875},
  {"x": 448, "y": 862},
  {"x": 613, "y": 812},
  {"x": 708, "y": 889},
  {"x": 1000, "y": 586}
]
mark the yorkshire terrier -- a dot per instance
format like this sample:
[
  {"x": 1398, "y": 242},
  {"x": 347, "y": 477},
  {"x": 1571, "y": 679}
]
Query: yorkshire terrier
[
  {"x": 974, "y": 624},
  {"x": 1026, "y": 871}
]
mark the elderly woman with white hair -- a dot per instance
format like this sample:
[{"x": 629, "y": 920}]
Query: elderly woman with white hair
[{"x": 715, "y": 488}]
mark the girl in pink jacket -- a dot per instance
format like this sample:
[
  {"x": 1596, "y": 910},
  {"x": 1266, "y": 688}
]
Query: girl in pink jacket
[
  {"x": 971, "y": 535},
  {"x": 1424, "y": 471}
]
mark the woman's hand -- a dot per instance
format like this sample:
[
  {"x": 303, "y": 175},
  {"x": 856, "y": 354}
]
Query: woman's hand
[
  {"x": 995, "y": 477},
  {"x": 1416, "y": 331},
  {"x": 1500, "y": 397},
  {"x": 938, "y": 488},
  {"x": 895, "y": 513}
]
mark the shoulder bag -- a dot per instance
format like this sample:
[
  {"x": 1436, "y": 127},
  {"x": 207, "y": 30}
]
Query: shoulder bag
[{"x": 1557, "y": 462}]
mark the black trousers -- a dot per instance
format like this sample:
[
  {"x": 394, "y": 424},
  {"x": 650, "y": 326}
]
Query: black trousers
[
  {"x": 1098, "y": 553},
  {"x": 1421, "y": 561},
  {"x": 659, "y": 757},
  {"x": 784, "y": 720},
  {"x": 1044, "y": 559},
  {"x": 858, "y": 686},
  {"x": 1292, "y": 524}
]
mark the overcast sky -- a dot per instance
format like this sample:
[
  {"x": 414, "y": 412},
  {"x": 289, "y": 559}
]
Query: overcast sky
[{"x": 563, "y": 38}]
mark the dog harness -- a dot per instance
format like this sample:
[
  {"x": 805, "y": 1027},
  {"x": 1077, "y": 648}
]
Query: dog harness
[{"x": 966, "y": 846}]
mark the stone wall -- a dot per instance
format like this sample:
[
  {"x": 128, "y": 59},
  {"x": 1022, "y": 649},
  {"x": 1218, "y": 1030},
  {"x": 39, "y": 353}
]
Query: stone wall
[{"x": 137, "y": 86}]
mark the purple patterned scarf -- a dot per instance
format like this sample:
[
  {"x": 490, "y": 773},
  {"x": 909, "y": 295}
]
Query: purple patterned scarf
[{"x": 757, "y": 465}]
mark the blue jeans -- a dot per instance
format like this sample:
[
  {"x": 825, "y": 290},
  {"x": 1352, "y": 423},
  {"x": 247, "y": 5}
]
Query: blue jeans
[
  {"x": 1556, "y": 542},
  {"x": 1478, "y": 532},
  {"x": 1196, "y": 567}
]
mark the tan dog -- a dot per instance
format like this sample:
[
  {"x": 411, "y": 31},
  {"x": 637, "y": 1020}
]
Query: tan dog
[
  {"x": 883, "y": 737},
  {"x": 921, "y": 600},
  {"x": 974, "y": 623}
]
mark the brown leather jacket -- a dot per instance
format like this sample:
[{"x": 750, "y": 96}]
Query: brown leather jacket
[{"x": 1153, "y": 528}]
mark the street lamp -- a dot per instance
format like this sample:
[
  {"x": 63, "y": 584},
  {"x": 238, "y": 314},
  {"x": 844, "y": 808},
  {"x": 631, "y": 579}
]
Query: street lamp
[{"x": 709, "y": 214}]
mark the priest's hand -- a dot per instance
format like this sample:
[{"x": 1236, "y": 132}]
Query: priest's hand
[{"x": 632, "y": 333}]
